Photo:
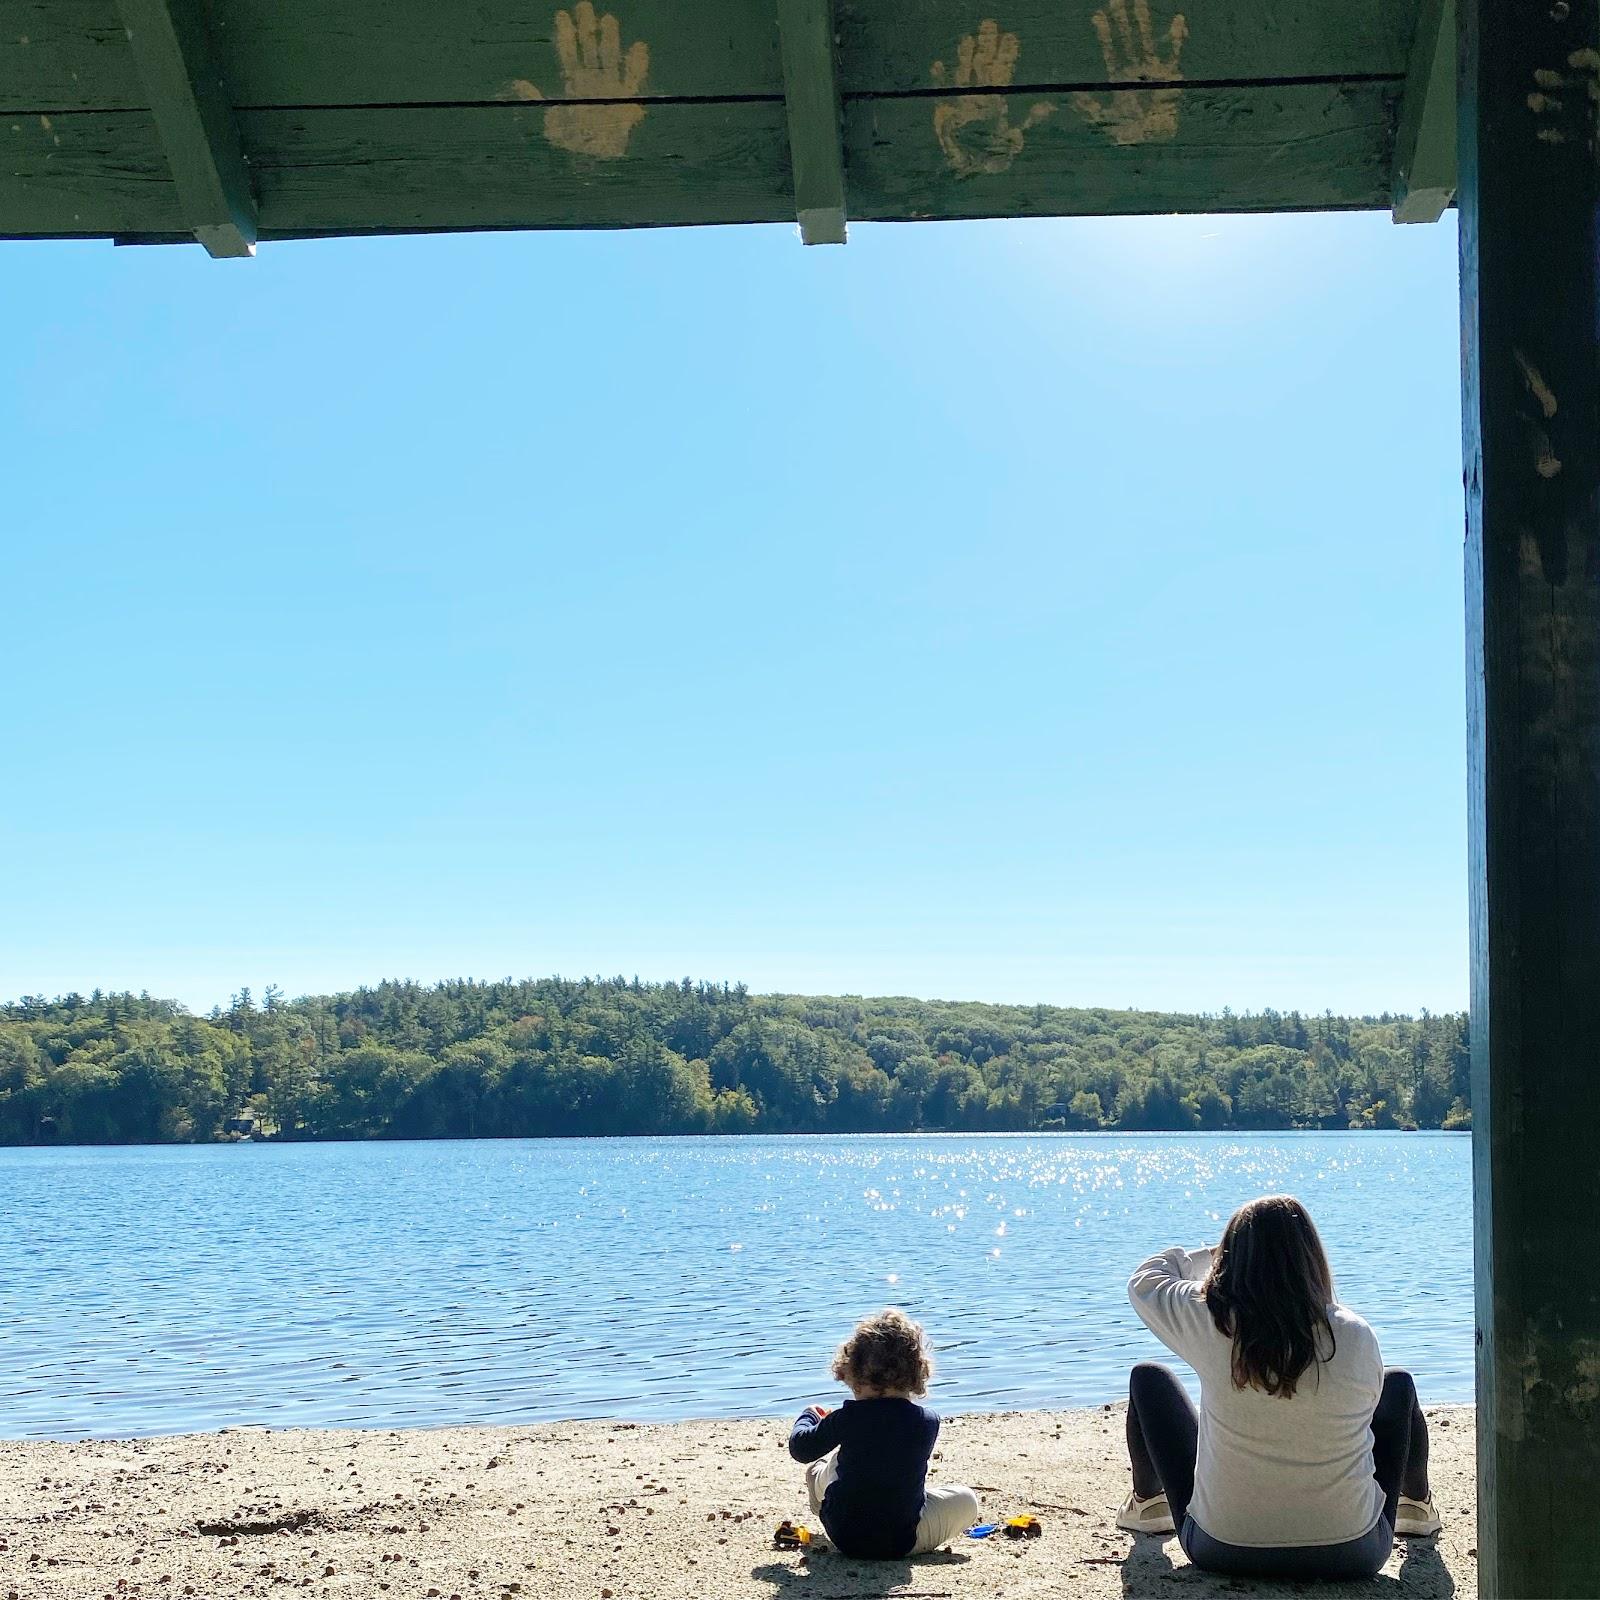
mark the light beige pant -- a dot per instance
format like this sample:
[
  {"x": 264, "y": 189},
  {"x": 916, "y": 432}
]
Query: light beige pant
[{"x": 945, "y": 1516}]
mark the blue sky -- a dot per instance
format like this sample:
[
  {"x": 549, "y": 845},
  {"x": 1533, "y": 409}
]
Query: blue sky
[{"x": 1036, "y": 611}]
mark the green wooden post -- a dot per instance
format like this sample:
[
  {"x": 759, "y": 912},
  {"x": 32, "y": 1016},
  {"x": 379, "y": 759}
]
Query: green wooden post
[{"x": 1530, "y": 303}]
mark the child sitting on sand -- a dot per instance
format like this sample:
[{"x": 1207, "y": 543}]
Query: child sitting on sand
[{"x": 868, "y": 1461}]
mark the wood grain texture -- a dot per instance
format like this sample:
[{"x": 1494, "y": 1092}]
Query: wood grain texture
[
  {"x": 1530, "y": 309},
  {"x": 348, "y": 52},
  {"x": 332, "y": 171},
  {"x": 92, "y": 174},
  {"x": 352, "y": 52},
  {"x": 63, "y": 55},
  {"x": 886, "y": 45},
  {"x": 1230, "y": 150},
  {"x": 524, "y": 113},
  {"x": 505, "y": 165}
]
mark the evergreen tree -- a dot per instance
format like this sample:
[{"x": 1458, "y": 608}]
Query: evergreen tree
[{"x": 588, "y": 1056}]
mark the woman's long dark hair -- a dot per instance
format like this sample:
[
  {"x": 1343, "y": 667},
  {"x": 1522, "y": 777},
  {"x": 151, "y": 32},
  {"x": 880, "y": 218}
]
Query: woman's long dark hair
[{"x": 1269, "y": 1290}]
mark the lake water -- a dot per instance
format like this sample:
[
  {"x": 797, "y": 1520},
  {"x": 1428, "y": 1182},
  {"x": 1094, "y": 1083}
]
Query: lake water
[{"x": 158, "y": 1290}]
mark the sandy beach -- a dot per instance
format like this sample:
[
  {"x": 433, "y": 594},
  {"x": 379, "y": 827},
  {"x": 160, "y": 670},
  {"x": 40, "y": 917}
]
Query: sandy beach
[{"x": 598, "y": 1511}]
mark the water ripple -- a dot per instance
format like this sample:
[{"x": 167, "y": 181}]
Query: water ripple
[{"x": 159, "y": 1290}]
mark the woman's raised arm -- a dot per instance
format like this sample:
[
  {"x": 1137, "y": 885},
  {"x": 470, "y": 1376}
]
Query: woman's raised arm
[{"x": 1166, "y": 1292}]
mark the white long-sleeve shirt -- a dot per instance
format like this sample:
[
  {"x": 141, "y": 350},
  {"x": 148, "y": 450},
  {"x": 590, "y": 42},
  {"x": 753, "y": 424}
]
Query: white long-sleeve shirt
[{"x": 1270, "y": 1471}]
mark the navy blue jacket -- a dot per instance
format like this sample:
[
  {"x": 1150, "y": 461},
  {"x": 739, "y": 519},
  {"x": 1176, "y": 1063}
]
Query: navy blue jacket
[{"x": 872, "y": 1507}]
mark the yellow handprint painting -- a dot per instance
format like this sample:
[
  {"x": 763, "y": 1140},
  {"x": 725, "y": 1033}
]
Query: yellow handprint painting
[
  {"x": 1128, "y": 44},
  {"x": 975, "y": 130},
  {"x": 593, "y": 68}
]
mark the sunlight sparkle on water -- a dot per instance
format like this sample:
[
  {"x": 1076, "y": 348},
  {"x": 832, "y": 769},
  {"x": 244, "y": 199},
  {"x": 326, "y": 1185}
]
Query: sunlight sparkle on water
[{"x": 509, "y": 1281}]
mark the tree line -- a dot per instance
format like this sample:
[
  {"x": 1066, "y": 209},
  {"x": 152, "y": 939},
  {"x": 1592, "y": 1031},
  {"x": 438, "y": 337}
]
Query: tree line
[{"x": 559, "y": 1056}]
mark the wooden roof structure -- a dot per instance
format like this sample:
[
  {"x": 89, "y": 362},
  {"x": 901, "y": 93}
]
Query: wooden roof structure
[{"x": 228, "y": 121}]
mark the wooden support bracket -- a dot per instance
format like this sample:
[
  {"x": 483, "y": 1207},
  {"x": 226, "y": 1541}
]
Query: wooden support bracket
[
  {"x": 816, "y": 138},
  {"x": 1425, "y": 144},
  {"x": 194, "y": 116}
]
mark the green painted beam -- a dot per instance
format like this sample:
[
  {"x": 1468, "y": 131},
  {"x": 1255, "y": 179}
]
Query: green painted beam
[
  {"x": 86, "y": 174},
  {"x": 66, "y": 55},
  {"x": 811, "y": 100},
  {"x": 889, "y": 46},
  {"x": 352, "y": 52},
  {"x": 439, "y": 168},
  {"x": 289, "y": 53},
  {"x": 519, "y": 167},
  {"x": 171, "y": 44},
  {"x": 1425, "y": 142},
  {"x": 1120, "y": 152}
]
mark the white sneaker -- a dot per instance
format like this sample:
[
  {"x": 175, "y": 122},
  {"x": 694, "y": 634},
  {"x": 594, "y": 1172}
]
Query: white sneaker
[
  {"x": 1417, "y": 1519},
  {"x": 1147, "y": 1516}
]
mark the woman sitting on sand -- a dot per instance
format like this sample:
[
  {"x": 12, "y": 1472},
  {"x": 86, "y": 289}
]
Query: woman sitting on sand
[
  {"x": 867, "y": 1477},
  {"x": 1307, "y": 1457}
]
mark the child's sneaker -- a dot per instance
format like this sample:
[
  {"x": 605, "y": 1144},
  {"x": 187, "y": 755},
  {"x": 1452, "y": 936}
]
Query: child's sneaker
[
  {"x": 1148, "y": 1516},
  {"x": 1417, "y": 1519}
]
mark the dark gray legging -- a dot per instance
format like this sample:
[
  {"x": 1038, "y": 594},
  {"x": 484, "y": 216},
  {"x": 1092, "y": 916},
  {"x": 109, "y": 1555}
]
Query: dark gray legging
[{"x": 1163, "y": 1435}]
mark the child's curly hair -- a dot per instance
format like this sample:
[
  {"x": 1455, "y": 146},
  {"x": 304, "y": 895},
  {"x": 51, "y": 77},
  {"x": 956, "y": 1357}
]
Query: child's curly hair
[{"x": 887, "y": 1352}]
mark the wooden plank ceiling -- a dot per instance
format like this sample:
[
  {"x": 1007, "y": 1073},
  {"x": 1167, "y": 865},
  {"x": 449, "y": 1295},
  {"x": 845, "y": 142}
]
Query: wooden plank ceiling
[{"x": 358, "y": 116}]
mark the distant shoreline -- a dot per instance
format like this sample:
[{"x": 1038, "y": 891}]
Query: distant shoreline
[
  {"x": 673, "y": 1511},
  {"x": 650, "y": 1138},
  {"x": 558, "y": 1057}
]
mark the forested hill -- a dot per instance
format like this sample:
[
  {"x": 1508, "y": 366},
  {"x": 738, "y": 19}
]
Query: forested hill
[{"x": 557, "y": 1056}]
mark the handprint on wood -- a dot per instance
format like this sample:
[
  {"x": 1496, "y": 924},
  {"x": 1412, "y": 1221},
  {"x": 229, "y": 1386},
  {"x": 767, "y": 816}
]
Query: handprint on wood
[
  {"x": 593, "y": 68},
  {"x": 1561, "y": 119},
  {"x": 974, "y": 130},
  {"x": 1128, "y": 44}
]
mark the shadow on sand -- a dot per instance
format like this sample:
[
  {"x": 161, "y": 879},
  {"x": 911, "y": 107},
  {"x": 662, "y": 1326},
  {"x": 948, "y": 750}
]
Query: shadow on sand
[
  {"x": 1149, "y": 1572},
  {"x": 843, "y": 1579}
]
